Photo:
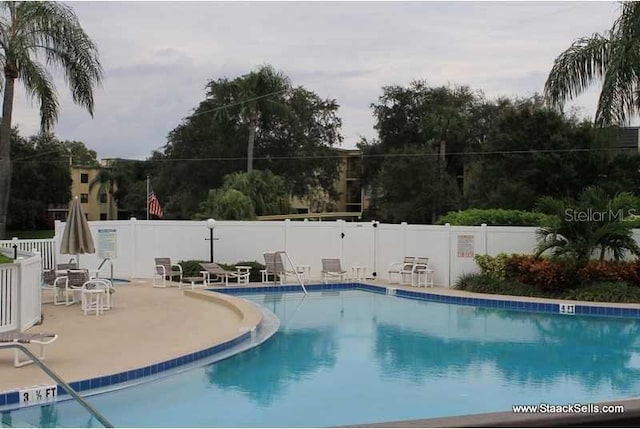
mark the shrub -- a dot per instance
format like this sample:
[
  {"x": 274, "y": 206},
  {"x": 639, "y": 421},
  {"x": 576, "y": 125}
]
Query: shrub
[
  {"x": 497, "y": 217},
  {"x": 191, "y": 268},
  {"x": 541, "y": 272},
  {"x": 605, "y": 292},
  {"x": 481, "y": 283},
  {"x": 493, "y": 266},
  {"x": 611, "y": 271}
]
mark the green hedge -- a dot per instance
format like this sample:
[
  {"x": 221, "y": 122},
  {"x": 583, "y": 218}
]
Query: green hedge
[
  {"x": 494, "y": 217},
  {"x": 590, "y": 291}
]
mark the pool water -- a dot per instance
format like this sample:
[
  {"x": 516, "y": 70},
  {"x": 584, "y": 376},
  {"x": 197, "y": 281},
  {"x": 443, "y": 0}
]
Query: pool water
[{"x": 352, "y": 357}]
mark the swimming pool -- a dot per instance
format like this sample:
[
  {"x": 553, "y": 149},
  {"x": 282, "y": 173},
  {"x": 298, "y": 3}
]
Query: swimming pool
[{"x": 348, "y": 357}]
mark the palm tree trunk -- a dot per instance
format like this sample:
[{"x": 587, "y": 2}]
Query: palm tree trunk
[
  {"x": 252, "y": 138},
  {"x": 5, "y": 151}
]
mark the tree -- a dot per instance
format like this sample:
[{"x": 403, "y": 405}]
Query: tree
[
  {"x": 423, "y": 133},
  {"x": 540, "y": 151},
  {"x": 293, "y": 141},
  {"x": 41, "y": 177},
  {"x": 30, "y": 31},
  {"x": 247, "y": 195},
  {"x": 594, "y": 222},
  {"x": 613, "y": 59},
  {"x": 257, "y": 93}
]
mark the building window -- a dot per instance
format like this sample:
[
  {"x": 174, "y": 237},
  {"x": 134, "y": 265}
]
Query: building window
[
  {"x": 103, "y": 216},
  {"x": 103, "y": 198},
  {"x": 84, "y": 178},
  {"x": 84, "y": 198}
]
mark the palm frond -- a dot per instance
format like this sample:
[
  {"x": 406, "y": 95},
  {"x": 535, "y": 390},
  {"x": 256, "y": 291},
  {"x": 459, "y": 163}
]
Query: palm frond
[
  {"x": 39, "y": 84},
  {"x": 576, "y": 68}
]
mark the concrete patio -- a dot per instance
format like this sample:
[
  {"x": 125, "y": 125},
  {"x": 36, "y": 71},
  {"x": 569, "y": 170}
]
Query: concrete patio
[{"x": 147, "y": 325}]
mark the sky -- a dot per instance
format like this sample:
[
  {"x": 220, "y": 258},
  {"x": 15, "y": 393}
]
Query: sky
[{"x": 158, "y": 56}]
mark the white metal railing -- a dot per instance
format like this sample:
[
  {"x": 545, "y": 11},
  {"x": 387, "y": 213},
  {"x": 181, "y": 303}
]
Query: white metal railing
[
  {"x": 293, "y": 267},
  {"x": 45, "y": 246}
]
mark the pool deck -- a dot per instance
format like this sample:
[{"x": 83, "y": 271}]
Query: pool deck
[
  {"x": 150, "y": 325},
  {"x": 146, "y": 325}
]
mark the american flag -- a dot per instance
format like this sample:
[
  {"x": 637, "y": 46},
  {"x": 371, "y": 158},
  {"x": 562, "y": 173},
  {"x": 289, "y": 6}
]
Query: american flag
[{"x": 154, "y": 204}]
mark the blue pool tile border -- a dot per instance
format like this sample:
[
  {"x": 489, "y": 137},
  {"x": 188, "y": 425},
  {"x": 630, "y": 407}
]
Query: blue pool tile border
[
  {"x": 12, "y": 398},
  {"x": 503, "y": 304}
]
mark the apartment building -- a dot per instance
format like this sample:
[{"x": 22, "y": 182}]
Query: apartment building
[
  {"x": 351, "y": 200},
  {"x": 97, "y": 202}
]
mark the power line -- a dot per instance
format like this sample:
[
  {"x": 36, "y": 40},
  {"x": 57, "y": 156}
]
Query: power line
[
  {"x": 239, "y": 102},
  {"x": 382, "y": 155}
]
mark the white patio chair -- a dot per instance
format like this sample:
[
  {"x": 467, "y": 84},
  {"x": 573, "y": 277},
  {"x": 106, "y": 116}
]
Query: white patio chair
[
  {"x": 275, "y": 266},
  {"x": 331, "y": 268},
  {"x": 164, "y": 270},
  {"x": 401, "y": 269}
]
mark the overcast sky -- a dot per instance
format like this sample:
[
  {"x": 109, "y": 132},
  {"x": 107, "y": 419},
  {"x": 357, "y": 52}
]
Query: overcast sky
[{"x": 158, "y": 56}]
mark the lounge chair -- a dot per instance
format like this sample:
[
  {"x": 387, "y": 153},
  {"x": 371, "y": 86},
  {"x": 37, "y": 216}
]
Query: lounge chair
[
  {"x": 166, "y": 270},
  {"x": 274, "y": 266},
  {"x": 215, "y": 273},
  {"x": 331, "y": 268},
  {"x": 401, "y": 269},
  {"x": 25, "y": 338}
]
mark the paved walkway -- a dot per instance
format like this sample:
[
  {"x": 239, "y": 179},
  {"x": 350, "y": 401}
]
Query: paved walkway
[{"x": 147, "y": 325}]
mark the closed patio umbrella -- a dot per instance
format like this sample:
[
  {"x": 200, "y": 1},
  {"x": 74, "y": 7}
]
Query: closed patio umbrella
[{"x": 76, "y": 238}]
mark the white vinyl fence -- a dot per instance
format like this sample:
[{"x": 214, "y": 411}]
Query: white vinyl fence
[
  {"x": 44, "y": 246},
  {"x": 20, "y": 297},
  {"x": 133, "y": 244}
]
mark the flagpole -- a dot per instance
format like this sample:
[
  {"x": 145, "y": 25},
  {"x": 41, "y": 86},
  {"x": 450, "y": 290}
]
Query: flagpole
[{"x": 147, "y": 197}]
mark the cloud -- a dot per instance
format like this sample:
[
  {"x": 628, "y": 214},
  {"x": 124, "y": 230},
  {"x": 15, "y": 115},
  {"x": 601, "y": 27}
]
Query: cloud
[{"x": 158, "y": 56}]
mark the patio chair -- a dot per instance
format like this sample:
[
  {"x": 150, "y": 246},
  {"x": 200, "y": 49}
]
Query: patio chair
[
  {"x": 97, "y": 294},
  {"x": 331, "y": 267},
  {"x": 401, "y": 269},
  {"x": 166, "y": 270},
  {"x": 421, "y": 273},
  {"x": 55, "y": 284},
  {"x": 71, "y": 285},
  {"x": 25, "y": 338},
  {"x": 274, "y": 266},
  {"x": 215, "y": 273}
]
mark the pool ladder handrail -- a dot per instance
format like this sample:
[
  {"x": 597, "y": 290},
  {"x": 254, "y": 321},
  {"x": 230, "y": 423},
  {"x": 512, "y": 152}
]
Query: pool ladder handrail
[
  {"x": 105, "y": 260},
  {"x": 55, "y": 377},
  {"x": 294, "y": 270}
]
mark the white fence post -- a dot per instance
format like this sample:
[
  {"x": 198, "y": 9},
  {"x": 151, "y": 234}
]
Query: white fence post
[
  {"x": 449, "y": 256},
  {"x": 133, "y": 240},
  {"x": 483, "y": 232}
]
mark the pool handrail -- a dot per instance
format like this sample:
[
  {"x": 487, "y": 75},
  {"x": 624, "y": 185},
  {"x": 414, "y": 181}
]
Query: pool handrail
[
  {"x": 283, "y": 252},
  {"x": 110, "y": 267},
  {"x": 55, "y": 377}
]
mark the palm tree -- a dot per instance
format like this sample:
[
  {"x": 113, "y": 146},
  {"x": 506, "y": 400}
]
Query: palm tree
[
  {"x": 593, "y": 223},
  {"x": 48, "y": 31},
  {"x": 107, "y": 181},
  {"x": 613, "y": 58},
  {"x": 257, "y": 91}
]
